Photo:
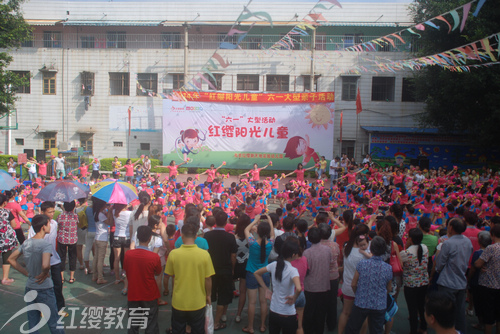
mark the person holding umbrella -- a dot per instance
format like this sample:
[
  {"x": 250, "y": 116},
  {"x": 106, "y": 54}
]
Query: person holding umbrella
[{"x": 67, "y": 238}]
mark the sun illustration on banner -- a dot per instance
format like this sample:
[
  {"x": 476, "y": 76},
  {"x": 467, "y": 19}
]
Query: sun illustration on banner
[{"x": 320, "y": 115}]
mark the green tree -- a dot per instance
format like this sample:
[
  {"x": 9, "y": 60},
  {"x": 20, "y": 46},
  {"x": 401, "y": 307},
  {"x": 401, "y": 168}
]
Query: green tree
[
  {"x": 13, "y": 31},
  {"x": 466, "y": 102}
]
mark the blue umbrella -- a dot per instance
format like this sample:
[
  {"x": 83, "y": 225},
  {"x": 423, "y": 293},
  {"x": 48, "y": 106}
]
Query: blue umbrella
[
  {"x": 6, "y": 181},
  {"x": 63, "y": 191}
]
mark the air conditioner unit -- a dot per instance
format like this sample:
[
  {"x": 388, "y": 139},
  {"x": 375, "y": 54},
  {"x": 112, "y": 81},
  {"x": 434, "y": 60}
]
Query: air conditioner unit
[{"x": 65, "y": 146}]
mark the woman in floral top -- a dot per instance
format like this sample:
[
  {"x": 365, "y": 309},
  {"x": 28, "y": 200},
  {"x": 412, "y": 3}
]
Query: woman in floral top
[
  {"x": 8, "y": 239},
  {"x": 67, "y": 238},
  {"x": 415, "y": 278}
]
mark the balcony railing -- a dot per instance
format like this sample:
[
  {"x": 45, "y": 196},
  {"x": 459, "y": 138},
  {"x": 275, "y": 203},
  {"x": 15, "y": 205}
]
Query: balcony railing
[{"x": 208, "y": 42}]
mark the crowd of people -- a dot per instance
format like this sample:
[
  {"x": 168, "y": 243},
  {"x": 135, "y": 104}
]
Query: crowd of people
[{"x": 360, "y": 237}]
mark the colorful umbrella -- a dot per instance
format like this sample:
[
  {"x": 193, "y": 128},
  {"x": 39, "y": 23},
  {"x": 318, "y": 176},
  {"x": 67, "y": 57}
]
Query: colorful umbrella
[
  {"x": 114, "y": 191},
  {"x": 63, "y": 191},
  {"x": 6, "y": 181}
]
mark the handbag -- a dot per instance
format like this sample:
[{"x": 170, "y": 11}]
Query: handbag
[
  {"x": 397, "y": 270},
  {"x": 209, "y": 320}
]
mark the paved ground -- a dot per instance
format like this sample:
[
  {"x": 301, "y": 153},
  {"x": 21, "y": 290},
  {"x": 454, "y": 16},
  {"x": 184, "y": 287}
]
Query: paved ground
[{"x": 85, "y": 293}]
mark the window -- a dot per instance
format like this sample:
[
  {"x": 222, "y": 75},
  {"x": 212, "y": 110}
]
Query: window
[
  {"x": 253, "y": 43},
  {"x": 349, "y": 88},
  {"x": 217, "y": 83},
  {"x": 352, "y": 39},
  {"x": 383, "y": 89},
  {"x": 222, "y": 37},
  {"x": 171, "y": 40},
  {"x": 20, "y": 141},
  {"x": 118, "y": 144},
  {"x": 348, "y": 147},
  {"x": 307, "y": 83},
  {"x": 49, "y": 140},
  {"x": 247, "y": 82},
  {"x": 409, "y": 93},
  {"x": 49, "y": 83},
  {"x": 52, "y": 39},
  {"x": 87, "y": 79},
  {"x": 88, "y": 42},
  {"x": 145, "y": 146},
  {"x": 87, "y": 142},
  {"x": 177, "y": 81},
  {"x": 26, "y": 76},
  {"x": 295, "y": 40},
  {"x": 147, "y": 84},
  {"x": 116, "y": 40},
  {"x": 277, "y": 83},
  {"x": 321, "y": 42},
  {"x": 119, "y": 83}
]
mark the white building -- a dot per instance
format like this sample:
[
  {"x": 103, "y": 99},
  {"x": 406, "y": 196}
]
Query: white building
[{"x": 86, "y": 60}]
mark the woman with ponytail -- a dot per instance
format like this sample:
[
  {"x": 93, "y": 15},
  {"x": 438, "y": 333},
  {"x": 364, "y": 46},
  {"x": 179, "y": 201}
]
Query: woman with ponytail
[
  {"x": 139, "y": 216},
  {"x": 259, "y": 250},
  {"x": 415, "y": 279},
  {"x": 286, "y": 287}
]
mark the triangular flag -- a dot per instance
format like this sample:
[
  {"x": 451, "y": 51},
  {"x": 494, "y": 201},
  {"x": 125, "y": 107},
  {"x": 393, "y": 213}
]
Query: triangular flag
[
  {"x": 478, "y": 8},
  {"x": 359, "y": 107},
  {"x": 466, "y": 14}
]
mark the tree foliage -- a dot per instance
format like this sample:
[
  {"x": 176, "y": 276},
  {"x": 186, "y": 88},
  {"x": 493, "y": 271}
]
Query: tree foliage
[
  {"x": 459, "y": 102},
  {"x": 13, "y": 31}
]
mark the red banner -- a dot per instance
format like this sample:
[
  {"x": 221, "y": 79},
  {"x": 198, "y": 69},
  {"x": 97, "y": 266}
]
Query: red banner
[{"x": 324, "y": 97}]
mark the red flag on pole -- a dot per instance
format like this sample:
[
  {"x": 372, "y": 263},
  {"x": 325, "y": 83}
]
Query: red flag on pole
[
  {"x": 341, "y": 121},
  {"x": 129, "y": 118},
  {"x": 359, "y": 108}
]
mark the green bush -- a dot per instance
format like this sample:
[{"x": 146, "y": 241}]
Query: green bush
[
  {"x": 106, "y": 164},
  {"x": 4, "y": 159}
]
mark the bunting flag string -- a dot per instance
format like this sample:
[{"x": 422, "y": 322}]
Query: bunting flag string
[
  {"x": 433, "y": 22},
  {"x": 480, "y": 50}
]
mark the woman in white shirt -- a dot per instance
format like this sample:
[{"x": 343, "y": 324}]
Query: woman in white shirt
[
  {"x": 139, "y": 216},
  {"x": 100, "y": 211},
  {"x": 286, "y": 289},
  {"x": 121, "y": 239}
]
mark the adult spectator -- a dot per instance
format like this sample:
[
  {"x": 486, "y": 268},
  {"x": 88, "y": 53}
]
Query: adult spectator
[
  {"x": 352, "y": 256},
  {"x": 67, "y": 237},
  {"x": 440, "y": 313},
  {"x": 240, "y": 271},
  {"x": 8, "y": 239},
  {"x": 331, "y": 312},
  {"x": 222, "y": 248},
  {"x": 259, "y": 251},
  {"x": 415, "y": 279},
  {"x": 59, "y": 166},
  {"x": 489, "y": 281},
  {"x": 451, "y": 264},
  {"x": 371, "y": 283},
  {"x": 286, "y": 289},
  {"x": 334, "y": 168},
  {"x": 316, "y": 283},
  {"x": 19, "y": 215},
  {"x": 142, "y": 265},
  {"x": 48, "y": 209},
  {"x": 429, "y": 239},
  {"x": 37, "y": 253},
  {"x": 192, "y": 270},
  {"x": 288, "y": 226}
]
